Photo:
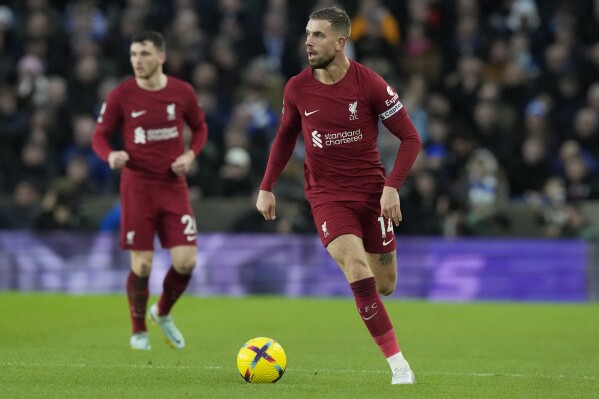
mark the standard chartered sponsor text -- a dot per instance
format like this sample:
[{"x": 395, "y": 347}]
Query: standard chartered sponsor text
[
  {"x": 162, "y": 134},
  {"x": 343, "y": 137}
]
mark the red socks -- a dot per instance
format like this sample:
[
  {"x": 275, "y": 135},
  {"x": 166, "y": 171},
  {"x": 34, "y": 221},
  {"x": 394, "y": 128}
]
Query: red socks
[
  {"x": 137, "y": 294},
  {"x": 373, "y": 313},
  {"x": 173, "y": 286}
]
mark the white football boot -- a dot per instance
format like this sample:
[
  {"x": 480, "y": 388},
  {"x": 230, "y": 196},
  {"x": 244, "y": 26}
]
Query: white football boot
[
  {"x": 174, "y": 338},
  {"x": 140, "y": 341},
  {"x": 403, "y": 376}
]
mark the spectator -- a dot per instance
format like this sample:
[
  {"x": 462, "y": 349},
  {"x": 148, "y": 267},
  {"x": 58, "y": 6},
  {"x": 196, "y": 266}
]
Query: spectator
[
  {"x": 84, "y": 84},
  {"x": 471, "y": 75},
  {"x": 586, "y": 130},
  {"x": 422, "y": 206},
  {"x": 61, "y": 208},
  {"x": 487, "y": 192},
  {"x": 236, "y": 174},
  {"x": 83, "y": 129},
  {"x": 375, "y": 30},
  {"x": 581, "y": 183},
  {"x": 578, "y": 225},
  {"x": 529, "y": 171},
  {"x": 23, "y": 209}
]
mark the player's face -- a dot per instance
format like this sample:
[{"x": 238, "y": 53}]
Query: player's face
[
  {"x": 146, "y": 59},
  {"x": 322, "y": 43}
]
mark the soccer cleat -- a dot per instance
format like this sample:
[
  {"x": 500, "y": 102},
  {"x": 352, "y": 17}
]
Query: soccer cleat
[
  {"x": 140, "y": 341},
  {"x": 174, "y": 338},
  {"x": 403, "y": 376}
]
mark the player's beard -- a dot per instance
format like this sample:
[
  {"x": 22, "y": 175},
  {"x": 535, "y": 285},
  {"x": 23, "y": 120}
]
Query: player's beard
[
  {"x": 151, "y": 71},
  {"x": 321, "y": 63}
]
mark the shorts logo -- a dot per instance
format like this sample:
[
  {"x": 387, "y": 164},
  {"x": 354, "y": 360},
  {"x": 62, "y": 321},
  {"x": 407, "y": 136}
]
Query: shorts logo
[
  {"x": 170, "y": 112},
  {"x": 325, "y": 231},
  {"x": 316, "y": 139},
  {"x": 385, "y": 243},
  {"x": 353, "y": 111},
  {"x": 130, "y": 237}
]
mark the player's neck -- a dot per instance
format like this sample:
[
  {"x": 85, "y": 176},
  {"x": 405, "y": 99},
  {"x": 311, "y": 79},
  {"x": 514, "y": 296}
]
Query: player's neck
[
  {"x": 333, "y": 73},
  {"x": 153, "y": 83}
]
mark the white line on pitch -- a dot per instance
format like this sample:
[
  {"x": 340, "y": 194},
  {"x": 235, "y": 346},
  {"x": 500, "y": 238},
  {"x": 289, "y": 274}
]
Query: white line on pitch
[{"x": 303, "y": 370}]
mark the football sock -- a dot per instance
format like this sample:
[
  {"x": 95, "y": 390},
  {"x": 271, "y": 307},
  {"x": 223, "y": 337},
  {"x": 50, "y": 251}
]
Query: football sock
[
  {"x": 374, "y": 315},
  {"x": 397, "y": 361},
  {"x": 173, "y": 286},
  {"x": 137, "y": 294}
]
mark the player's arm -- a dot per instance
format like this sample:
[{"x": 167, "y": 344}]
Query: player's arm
[
  {"x": 385, "y": 102},
  {"x": 109, "y": 119},
  {"x": 401, "y": 126},
  {"x": 196, "y": 120},
  {"x": 280, "y": 153}
]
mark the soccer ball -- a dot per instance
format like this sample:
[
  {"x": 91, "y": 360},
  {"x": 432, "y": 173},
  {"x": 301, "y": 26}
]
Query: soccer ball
[{"x": 261, "y": 360}]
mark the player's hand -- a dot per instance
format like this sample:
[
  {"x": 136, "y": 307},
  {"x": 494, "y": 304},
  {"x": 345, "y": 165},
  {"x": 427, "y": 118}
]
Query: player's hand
[
  {"x": 117, "y": 159},
  {"x": 266, "y": 204},
  {"x": 390, "y": 205},
  {"x": 183, "y": 163}
]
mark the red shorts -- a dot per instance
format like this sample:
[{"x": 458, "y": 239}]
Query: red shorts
[
  {"x": 362, "y": 219},
  {"x": 150, "y": 207}
]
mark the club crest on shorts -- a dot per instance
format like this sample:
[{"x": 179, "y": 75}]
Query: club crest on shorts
[
  {"x": 325, "y": 231},
  {"x": 130, "y": 237}
]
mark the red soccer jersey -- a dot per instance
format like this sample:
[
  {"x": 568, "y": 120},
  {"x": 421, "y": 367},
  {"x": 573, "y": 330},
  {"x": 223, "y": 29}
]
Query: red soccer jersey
[
  {"x": 152, "y": 123},
  {"x": 340, "y": 130}
]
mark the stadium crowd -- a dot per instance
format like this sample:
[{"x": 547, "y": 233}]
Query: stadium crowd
[{"x": 505, "y": 96}]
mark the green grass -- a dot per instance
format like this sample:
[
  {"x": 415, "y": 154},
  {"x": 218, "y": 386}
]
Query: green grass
[{"x": 58, "y": 346}]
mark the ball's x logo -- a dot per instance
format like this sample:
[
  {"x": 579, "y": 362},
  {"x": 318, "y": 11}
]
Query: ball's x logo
[{"x": 261, "y": 354}]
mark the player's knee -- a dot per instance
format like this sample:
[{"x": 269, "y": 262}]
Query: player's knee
[
  {"x": 186, "y": 266},
  {"x": 353, "y": 263},
  {"x": 385, "y": 286},
  {"x": 386, "y": 290},
  {"x": 142, "y": 269}
]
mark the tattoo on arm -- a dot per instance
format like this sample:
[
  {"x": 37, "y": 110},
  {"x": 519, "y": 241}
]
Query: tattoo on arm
[{"x": 386, "y": 259}]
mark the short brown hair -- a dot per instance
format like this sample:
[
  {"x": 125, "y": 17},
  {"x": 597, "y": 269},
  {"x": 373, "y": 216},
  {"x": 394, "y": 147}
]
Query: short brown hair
[
  {"x": 338, "y": 18},
  {"x": 150, "y": 36}
]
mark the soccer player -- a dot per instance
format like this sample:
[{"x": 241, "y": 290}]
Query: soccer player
[
  {"x": 337, "y": 104},
  {"x": 151, "y": 109}
]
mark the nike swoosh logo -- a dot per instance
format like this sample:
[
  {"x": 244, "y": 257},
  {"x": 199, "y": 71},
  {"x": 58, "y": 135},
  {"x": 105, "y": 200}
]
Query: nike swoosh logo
[
  {"x": 370, "y": 317},
  {"x": 385, "y": 243},
  {"x": 310, "y": 113},
  {"x": 174, "y": 339},
  {"x": 135, "y": 114}
]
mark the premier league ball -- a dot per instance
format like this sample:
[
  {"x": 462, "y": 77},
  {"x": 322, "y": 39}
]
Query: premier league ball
[{"x": 261, "y": 360}]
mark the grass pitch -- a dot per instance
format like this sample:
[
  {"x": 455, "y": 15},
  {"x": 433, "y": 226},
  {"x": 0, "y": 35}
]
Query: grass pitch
[{"x": 57, "y": 346}]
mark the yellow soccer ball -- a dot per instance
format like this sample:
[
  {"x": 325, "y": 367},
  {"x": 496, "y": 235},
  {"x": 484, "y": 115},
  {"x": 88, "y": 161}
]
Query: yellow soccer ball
[{"x": 261, "y": 360}]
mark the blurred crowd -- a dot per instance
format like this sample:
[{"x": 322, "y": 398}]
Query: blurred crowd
[{"x": 505, "y": 95}]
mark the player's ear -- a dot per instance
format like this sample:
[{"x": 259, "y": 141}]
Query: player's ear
[
  {"x": 340, "y": 43},
  {"x": 162, "y": 56}
]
